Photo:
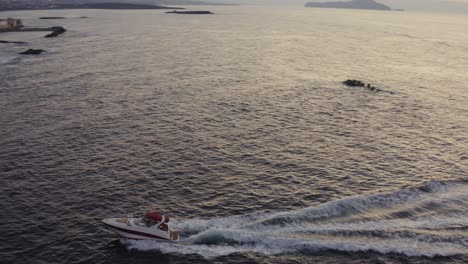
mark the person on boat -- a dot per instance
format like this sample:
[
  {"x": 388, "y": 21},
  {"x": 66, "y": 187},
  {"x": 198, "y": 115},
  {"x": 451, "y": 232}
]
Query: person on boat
[
  {"x": 154, "y": 218},
  {"x": 163, "y": 227},
  {"x": 148, "y": 222}
]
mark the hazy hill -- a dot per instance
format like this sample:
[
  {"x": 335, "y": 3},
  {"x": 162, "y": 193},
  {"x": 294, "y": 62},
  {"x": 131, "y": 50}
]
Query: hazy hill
[
  {"x": 111, "y": 6},
  {"x": 149, "y": 2},
  {"x": 353, "y": 4}
]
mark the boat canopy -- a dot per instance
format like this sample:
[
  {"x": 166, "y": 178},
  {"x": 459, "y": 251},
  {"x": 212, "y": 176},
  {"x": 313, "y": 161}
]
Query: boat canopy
[{"x": 157, "y": 216}]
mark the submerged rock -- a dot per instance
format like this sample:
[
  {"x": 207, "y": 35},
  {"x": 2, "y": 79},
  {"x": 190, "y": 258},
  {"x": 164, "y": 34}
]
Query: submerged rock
[
  {"x": 354, "y": 83},
  {"x": 357, "y": 83},
  {"x": 190, "y": 12},
  {"x": 51, "y": 35},
  {"x": 12, "y": 42},
  {"x": 32, "y": 52}
]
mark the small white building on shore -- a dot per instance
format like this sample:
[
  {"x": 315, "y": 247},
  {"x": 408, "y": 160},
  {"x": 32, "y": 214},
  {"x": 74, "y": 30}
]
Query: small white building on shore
[{"x": 10, "y": 23}]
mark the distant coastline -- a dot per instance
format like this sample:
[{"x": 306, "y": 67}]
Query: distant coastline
[
  {"x": 114, "y": 6},
  {"x": 87, "y": 6},
  {"x": 97, "y": 4}
]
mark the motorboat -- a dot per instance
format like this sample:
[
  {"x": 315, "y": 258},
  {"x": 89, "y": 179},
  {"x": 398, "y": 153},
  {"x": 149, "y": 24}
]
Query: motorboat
[{"x": 151, "y": 226}]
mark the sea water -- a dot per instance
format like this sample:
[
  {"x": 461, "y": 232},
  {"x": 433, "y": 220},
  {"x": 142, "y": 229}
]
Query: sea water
[{"x": 238, "y": 127}]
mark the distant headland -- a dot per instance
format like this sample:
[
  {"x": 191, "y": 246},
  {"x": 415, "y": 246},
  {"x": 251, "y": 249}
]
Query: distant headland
[
  {"x": 114, "y": 6},
  {"x": 10, "y": 5},
  {"x": 19, "y": 6},
  {"x": 353, "y": 4}
]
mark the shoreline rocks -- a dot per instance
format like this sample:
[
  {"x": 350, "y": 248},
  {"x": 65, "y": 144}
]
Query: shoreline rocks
[{"x": 55, "y": 31}]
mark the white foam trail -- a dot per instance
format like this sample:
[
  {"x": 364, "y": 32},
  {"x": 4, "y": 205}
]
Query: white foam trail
[
  {"x": 198, "y": 225},
  {"x": 428, "y": 221},
  {"x": 275, "y": 245}
]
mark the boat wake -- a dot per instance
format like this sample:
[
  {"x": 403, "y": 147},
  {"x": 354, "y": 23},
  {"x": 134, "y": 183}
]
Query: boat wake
[{"x": 431, "y": 220}]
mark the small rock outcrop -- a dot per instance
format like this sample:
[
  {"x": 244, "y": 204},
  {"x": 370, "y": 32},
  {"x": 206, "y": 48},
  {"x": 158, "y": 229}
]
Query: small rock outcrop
[
  {"x": 190, "y": 12},
  {"x": 55, "y": 32},
  {"x": 357, "y": 83},
  {"x": 354, "y": 83},
  {"x": 32, "y": 52}
]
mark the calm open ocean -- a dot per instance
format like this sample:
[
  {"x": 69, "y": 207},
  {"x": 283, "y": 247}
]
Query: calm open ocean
[{"x": 238, "y": 127}]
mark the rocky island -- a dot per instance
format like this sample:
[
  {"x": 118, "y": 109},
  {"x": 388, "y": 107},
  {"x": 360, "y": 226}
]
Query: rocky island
[{"x": 353, "y": 4}]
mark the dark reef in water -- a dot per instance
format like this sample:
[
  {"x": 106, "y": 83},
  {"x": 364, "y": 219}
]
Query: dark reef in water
[
  {"x": 59, "y": 17},
  {"x": 357, "y": 83},
  {"x": 353, "y": 4},
  {"x": 32, "y": 52},
  {"x": 353, "y": 83},
  {"x": 12, "y": 42},
  {"x": 190, "y": 12},
  {"x": 55, "y": 32},
  {"x": 52, "y": 18}
]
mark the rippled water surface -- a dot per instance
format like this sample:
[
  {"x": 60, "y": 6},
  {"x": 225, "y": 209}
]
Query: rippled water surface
[{"x": 237, "y": 125}]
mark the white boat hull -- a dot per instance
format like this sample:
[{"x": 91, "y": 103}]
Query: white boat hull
[{"x": 128, "y": 229}]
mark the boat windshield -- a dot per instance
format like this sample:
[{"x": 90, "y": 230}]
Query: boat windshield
[
  {"x": 146, "y": 222},
  {"x": 141, "y": 222}
]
